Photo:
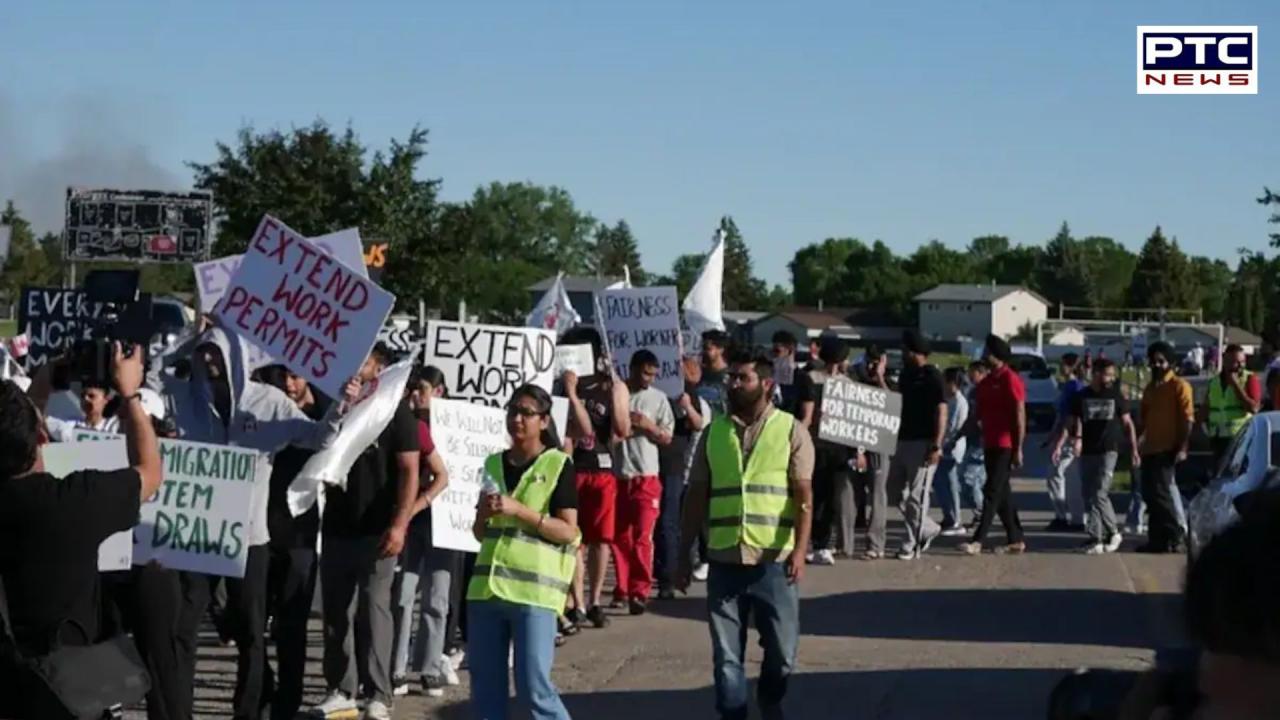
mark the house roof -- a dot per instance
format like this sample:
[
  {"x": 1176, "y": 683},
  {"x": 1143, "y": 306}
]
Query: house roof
[
  {"x": 742, "y": 317},
  {"x": 1234, "y": 335},
  {"x": 846, "y": 316},
  {"x": 973, "y": 293},
  {"x": 811, "y": 319},
  {"x": 575, "y": 283}
]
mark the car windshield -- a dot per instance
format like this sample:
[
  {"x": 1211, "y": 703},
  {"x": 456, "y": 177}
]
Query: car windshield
[
  {"x": 1034, "y": 365},
  {"x": 166, "y": 317}
]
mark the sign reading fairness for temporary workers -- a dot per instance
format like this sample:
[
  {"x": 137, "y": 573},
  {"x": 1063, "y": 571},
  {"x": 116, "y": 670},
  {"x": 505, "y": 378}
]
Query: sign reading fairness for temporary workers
[
  {"x": 486, "y": 363},
  {"x": 315, "y": 314},
  {"x": 859, "y": 415},
  {"x": 465, "y": 434},
  {"x": 645, "y": 318}
]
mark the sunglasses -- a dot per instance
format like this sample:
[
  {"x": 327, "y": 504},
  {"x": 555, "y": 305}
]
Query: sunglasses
[{"x": 524, "y": 412}]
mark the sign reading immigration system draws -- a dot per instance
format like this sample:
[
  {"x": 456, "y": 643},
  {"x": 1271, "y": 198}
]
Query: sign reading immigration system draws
[
  {"x": 318, "y": 316},
  {"x": 465, "y": 434},
  {"x": 137, "y": 225},
  {"x": 645, "y": 318},
  {"x": 860, "y": 415},
  {"x": 486, "y": 363}
]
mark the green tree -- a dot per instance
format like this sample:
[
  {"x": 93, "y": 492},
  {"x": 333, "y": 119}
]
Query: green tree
[
  {"x": 1063, "y": 273},
  {"x": 778, "y": 298},
  {"x": 877, "y": 279},
  {"x": 1214, "y": 278},
  {"x": 1015, "y": 266},
  {"x": 1247, "y": 305},
  {"x": 985, "y": 249},
  {"x": 616, "y": 251},
  {"x": 1269, "y": 198},
  {"x": 684, "y": 273},
  {"x": 27, "y": 264},
  {"x": 818, "y": 271},
  {"x": 1163, "y": 278},
  {"x": 742, "y": 289},
  {"x": 1110, "y": 267},
  {"x": 934, "y": 264}
]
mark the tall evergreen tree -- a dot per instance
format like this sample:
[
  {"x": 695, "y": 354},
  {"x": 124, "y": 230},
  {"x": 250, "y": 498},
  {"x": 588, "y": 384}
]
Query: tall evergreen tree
[
  {"x": 616, "y": 252},
  {"x": 1163, "y": 278},
  {"x": 1063, "y": 273},
  {"x": 742, "y": 289},
  {"x": 27, "y": 264}
]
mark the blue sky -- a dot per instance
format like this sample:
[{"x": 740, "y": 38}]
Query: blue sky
[{"x": 895, "y": 121}]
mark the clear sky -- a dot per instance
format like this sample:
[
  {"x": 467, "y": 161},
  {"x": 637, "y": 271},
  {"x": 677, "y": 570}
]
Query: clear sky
[{"x": 895, "y": 121}]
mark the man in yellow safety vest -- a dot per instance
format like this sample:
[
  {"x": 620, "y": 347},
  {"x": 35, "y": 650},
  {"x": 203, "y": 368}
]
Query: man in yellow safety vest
[
  {"x": 750, "y": 485},
  {"x": 1233, "y": 397}
]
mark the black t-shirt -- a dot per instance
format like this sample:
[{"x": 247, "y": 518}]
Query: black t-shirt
[
  {"x": 50, "y": 530},
  {"x": 596, "y": 393},
  {"x": 1102, "y": 416},
  {"x": 286, "y": 530},
  {"x": 714, "y": 388},
  {"x": 564, "y": 497},
  {"x": 922, "y": 393},
  {"x": 365, "y": 508}
]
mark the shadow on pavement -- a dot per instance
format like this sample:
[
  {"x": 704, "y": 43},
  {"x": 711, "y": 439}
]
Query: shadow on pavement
[
  {"x": 1048, "y": 617},
  {"x": 955, "y": 694}
]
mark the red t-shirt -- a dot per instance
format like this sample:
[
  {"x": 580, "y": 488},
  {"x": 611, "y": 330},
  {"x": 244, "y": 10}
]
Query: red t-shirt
[
  {"x": 424, "y": 439},
  {"x": 999, "y": 395}
]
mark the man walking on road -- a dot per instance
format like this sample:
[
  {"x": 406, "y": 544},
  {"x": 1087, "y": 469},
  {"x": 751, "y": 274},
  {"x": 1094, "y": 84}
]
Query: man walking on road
[
  {"x": 831, "y": 470},
  {"x": 750, "y": 483},
  {"x": 954, "y": 448},
  {"x": 1003, "y": 414},
  {"x": 1064, "y": 486},
  {"x": 1099, "y": 424},
  {"x": 1167, "y": 417},
  {"x": 924, "y": 423},
  {"x": 1234, "y": 396}
]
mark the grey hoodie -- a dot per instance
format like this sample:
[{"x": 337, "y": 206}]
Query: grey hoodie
[{"x": 262, "y": 416}]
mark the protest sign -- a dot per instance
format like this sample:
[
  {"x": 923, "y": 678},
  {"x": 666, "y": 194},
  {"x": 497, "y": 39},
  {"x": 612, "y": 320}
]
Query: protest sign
[
  {"x": 53, "y": 319},
  {"x": 486, "y": 363},
  {"x": 578, "y": 358},
  {"x": 199, "y": 519},
  {"x": 648, "y": 318},
  {"x": 212, "y": 277},
  {"x": 364, "y": 422},
  {"x": 318, "y": 316},
  {"x": 860, "y": 415},
  {"x": 465, "y": 434},
  {"x": 62, "y": 459}
]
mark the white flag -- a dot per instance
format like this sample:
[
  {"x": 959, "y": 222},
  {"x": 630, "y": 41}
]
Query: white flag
[
  {"x": 361, "y": 427},
  {"x": 702, "y": 306},
  {"x": 554, "y": 311}
]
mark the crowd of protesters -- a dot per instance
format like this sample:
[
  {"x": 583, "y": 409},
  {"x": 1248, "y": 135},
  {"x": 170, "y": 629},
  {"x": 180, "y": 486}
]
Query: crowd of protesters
[{"x": 730, "y": 483}]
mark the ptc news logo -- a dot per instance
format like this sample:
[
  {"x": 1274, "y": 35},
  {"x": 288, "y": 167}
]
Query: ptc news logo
[{"x": 1197, "y": 59}]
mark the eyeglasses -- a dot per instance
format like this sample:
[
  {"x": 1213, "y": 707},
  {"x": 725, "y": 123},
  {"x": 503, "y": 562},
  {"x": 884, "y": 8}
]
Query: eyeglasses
[{"x": 524, "y": 412}]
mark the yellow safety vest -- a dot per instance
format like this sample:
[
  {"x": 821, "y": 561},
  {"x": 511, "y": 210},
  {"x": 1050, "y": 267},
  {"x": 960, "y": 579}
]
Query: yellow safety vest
[
  {"x": 515, "y": 563},
  {"x": 751, "y": 506},
  {"x": 1226, "y": 414}
]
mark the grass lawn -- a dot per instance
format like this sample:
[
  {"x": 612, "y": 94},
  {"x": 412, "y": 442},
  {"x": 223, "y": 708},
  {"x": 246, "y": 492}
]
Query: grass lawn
[{"x": 8, "y": 328}]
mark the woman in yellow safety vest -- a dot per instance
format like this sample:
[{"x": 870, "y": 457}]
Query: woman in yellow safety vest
[{"x": 527, "y": 524}]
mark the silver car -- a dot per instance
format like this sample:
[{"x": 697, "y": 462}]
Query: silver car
[{"x": 1252, "y": 463}]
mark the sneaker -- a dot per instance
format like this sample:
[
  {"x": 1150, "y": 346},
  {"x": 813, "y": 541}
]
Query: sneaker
[
  {"x": 824, "y": 558},
  {"x": 700, "y": 573},
  {"x": 450, "y": 676},
  {"x": 906, "y": 554},
  {"x": 954, "y": 531},
  {"x": 928, "y": 542},
  {"x": 377, "y": 711},
  {"x": 433, "y": 686},
  {"x": 399, "y": 686},
  {"x": 597, "y": 617},
  {"x": 1017, "y": 548},
  {"x": 1095, "y": 549},
  {"x": 970, "y": 548},
  {"x": 1115, "y": 542},
  {"x": 337, "y": 705},
  {"x": 666, "y": 594},
  {"x": 871, "y": 555},
  {"x": 458, "y": 659},
  {"x": 1058, "y": 525},
  {"x": 637, "y": 607},
  {"x": 808, "y": 558}
]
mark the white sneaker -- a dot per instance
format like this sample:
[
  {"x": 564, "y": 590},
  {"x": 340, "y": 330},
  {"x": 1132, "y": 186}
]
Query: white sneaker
[
  {"x": 700, "y": 573},
  {"x": 955, "y": 531},
  {"x": 1115, "y": 542},
  {"x": 458, "y": 660},
  {"x": 336, "y": 706},
  {"x": 433, "y": 686},
  {"x": 450, "y": 675},
  {"x": 808, "y": 557},
  {"x": 1095, "y": 549},
  {"x": 400, "y": 686},
  {"x": 824, "y": 557},
  {"x": 377, "y": 711}
]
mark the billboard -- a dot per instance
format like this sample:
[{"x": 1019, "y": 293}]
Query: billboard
[{"x": 137, "y": 225}]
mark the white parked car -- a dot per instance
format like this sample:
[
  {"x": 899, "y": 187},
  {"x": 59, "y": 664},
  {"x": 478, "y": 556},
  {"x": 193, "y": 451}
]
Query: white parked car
[{"x": 1252, "y": 463}]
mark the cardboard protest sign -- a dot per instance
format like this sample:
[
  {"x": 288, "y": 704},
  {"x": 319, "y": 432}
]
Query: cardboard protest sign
[
  {"x": 465, "y": 434},
  {"x": 578, "y": 358},
  {"x": 316, "y": 315},
  {"x": 212, "y": 277},
  {"x": 199, "y": 519},
  {"x": 53, "y": 319},
  {"x": 860, "y": 415},
  {"x": 648, "y": 318},
  {"x": 486, "y": 363}
]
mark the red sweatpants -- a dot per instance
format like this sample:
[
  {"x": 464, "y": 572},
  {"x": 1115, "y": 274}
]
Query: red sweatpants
[{"x": 639, "y": 500}]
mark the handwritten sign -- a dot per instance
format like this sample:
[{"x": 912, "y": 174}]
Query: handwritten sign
[
  {"x": 578, "y": 358},
  {"x": 465, "y": 434},
  {"x": 860, "y": 415},
  {"x": 53, "y": 320},
  {"x": 317, "y": 315},
  {"x": 486, "y": 363},
  {"x": 648, "y": 318},
  {"x": 213, "y": 277}
]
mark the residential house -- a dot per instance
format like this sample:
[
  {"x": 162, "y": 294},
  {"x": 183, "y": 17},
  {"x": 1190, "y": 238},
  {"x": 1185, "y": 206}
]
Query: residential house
[
  {"x": 858, "y": 326},
  {"x": 952, "y": 312}
]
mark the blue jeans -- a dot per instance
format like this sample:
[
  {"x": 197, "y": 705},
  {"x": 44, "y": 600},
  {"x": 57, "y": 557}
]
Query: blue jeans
[
  {"x": 1136, "y": 517},
  {"x": 973, "y": 477},
  {"x": 666, "y": 546},
  {"x": 736, "y": 593},
  {"x": 492, "y": 627},
  {"x": 947, "y": 484}
]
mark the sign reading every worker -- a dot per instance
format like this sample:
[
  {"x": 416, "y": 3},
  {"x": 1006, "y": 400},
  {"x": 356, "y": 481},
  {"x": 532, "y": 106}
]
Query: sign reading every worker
[
  {"x": 304, "y": 307},
  {"x": 861, "y": 416}
]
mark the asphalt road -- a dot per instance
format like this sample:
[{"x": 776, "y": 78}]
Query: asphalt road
[{"x": 948, "y": 636}]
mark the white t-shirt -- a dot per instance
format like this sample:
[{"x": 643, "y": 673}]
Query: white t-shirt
[
  {"x": 638, "y": 455},
  {"x": 65, "y": 430}
]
